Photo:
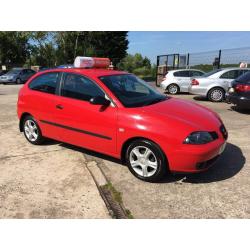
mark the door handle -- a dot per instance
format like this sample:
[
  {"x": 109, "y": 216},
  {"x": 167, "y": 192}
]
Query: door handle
[{"x": 59, "y": 106}]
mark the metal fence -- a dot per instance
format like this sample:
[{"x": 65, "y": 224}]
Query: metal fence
[{"x": 205, "y": 61}]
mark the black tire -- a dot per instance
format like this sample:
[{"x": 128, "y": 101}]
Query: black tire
[
  {"x": 40, "y": 139},
  {"x": 158, "y": 158},
  {"x": 216, "y": 94},
  {"x": 173, "y": 89},
  {"x": 18, "y": 81}
]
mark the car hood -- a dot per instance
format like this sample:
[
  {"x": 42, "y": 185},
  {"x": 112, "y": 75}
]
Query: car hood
[{"x": 188, "y": 112}]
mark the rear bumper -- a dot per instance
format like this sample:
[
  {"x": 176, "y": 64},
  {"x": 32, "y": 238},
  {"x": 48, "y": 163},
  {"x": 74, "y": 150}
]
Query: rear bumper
[
  {"x": 197, "y": 90},
  {"x": 240, "y": 101}
]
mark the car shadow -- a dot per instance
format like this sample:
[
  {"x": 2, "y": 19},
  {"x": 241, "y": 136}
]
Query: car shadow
[
  {"x": 241, "y": 111},
  {"x": 228, "y": 165},
  {"x": 91, "y": 153},
  {"x": 178, "y": 94},
  {"x": 200, "y": 98}
]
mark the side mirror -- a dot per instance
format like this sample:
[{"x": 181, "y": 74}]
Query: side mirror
[{"x": 99, "y": 100}]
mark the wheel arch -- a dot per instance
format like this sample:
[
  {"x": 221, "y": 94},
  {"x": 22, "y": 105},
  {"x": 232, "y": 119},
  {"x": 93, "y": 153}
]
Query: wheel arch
[
  {"x": 215, "y": 87},
  {"x": 22, "y": 119},
  {"x": 174, "y": 83},
  {"x": 130, "y": 140}
]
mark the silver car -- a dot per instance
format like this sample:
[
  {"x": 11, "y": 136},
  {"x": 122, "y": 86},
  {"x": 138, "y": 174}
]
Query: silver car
[
  {"x": 215, "y": 84},
  {"x": 179, "y": 80},
  {"x": 17, "y": 75}
]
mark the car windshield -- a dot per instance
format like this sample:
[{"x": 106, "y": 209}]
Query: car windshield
[
  {"x": 245, "y": 78},
  {"x": 211, "y": 72},
  {"x": 132, "y": 91},
  {"x": 14, "y": 72}
]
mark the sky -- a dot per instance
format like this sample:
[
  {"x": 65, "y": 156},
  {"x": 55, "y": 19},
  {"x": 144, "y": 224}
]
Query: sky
[{"x": 153, "y": 43}]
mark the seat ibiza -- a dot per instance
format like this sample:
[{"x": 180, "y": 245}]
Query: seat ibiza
[{"x": 116, "y": 113}]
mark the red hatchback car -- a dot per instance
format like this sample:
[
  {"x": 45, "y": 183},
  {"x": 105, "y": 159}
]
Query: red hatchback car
[{"x": 116, "y": 113}]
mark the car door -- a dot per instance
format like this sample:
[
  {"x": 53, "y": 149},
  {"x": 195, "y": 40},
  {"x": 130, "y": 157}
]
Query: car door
[
  {"x": 23, "y": 75},
  {"x": 81, "y": 123},
  {"x": 183, "y": 79},
  {"x": 40, "y": 101}
]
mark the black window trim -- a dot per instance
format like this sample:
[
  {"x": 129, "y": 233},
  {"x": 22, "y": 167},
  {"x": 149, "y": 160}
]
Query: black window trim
[
  {"x": 62, "y": 80},
  {"x": 46, "y": 73}
]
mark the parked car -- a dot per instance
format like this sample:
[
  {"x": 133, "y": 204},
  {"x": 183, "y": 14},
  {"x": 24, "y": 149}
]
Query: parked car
[
  {"x": 177, "y": 81},
  {"x": 17, "y": 75},
  {"x": 239, "y": 93},
  {"x": 118, "y": 114},
  {"x": 215, "y": 84},
  {"x": 65, "y": 66},
  {"x": 2, "y": 72}
]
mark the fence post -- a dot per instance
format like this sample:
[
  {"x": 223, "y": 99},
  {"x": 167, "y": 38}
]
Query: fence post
[
  {"x": 219, "y": 59},
  {"x": 187, "y": 63},
  {"x": 157, "y": 64}
]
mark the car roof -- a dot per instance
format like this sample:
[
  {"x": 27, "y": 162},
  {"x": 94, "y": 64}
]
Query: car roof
[
  {"x": 90, "y": 72},
  {"x": 176, "y": 70},
  {"x": 235, "y": 68}
]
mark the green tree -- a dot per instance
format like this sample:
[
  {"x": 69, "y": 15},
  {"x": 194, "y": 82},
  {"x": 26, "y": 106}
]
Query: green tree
[
  {"x": 54, "y": 48},
  {"x": 14, "y": 47},
  {"x": 43, "y": 49},
  {"x": 136, "y": 64},
  {"x": 91, "y": 43}
]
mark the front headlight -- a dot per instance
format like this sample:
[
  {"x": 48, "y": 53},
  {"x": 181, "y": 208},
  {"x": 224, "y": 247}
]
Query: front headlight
[{"x": 200, "y": 137}]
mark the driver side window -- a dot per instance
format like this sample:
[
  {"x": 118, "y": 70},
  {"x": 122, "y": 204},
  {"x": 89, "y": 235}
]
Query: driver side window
[{"x": 80, "y": 87}]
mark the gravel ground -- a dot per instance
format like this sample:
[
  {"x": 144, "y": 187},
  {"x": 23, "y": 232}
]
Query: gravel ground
[{"x": 48, "y": 181}]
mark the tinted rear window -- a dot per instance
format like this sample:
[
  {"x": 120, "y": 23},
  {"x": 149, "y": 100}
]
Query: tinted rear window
[{"x": 181, "y": 73}]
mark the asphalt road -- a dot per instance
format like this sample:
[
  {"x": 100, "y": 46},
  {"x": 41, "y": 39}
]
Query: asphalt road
[{"x": 51, "y": 181}]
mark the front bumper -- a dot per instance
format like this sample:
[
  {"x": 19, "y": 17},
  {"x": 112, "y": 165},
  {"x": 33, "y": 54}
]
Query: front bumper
[
  {"x": 7, "y": 80},
  {"x": 188, "y": 158},
  {"x": 197, "y": 90},
  {"x": 197, "y": 158}
]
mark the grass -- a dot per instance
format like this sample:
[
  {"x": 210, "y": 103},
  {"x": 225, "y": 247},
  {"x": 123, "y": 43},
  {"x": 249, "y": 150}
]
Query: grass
[{"x": 117, "y": 196}]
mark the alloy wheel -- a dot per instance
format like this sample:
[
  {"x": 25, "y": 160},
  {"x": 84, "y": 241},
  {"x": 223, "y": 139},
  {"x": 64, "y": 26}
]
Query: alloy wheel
[
  {"x": 143, "y": 161},
  {"x": 173, "y": 89},
  {"x": 31, "y": 130},
  {"x": 217, "y": 95}
]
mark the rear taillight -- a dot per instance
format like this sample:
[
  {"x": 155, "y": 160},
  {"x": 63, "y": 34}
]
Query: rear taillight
[
  {"x": 195, "y": 82},
  {"x": 242, "y": 87}
]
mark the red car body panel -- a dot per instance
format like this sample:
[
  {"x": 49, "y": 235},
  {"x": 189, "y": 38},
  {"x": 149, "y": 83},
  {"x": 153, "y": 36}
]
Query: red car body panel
[{"x": 167, "y": 123}]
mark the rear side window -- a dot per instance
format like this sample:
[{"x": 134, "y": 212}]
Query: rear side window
[
  {"x": 181, "y": 73},
  {"x": 80, "y": 87},
  {"x": 45, "y": 83},
  {"x": 232, "y": 74},
  {"x": 196, "y": 73}
]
